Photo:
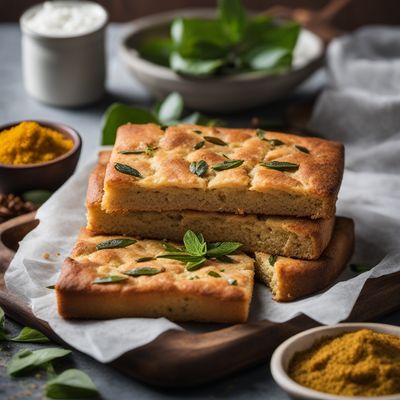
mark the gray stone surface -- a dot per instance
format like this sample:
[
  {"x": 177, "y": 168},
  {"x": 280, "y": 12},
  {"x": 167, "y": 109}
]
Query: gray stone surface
[{"x": 253, "y": 383}]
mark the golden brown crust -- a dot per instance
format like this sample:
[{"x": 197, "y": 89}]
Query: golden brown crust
[
  {"x": 257, "y": 189},
  {"x": 145, "y": 295},
  {"x": 288, "y": 236},
  {"x": 290, "y": 279}
]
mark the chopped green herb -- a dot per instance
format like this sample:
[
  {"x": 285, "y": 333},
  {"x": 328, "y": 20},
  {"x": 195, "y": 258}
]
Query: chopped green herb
[
  {"x": 215, "y": 140},
  {"x": 214, "y": 274},
  {"x": 144, "y": 259},
  {"x": 272, "y": 260},
  {"x": 144, "y": 271},
  {"x": 30, "y": 335},
  {"x": 127, "y": 170},
  {"x": 115, "y": 243},
  {"x": 109, "y": 279},
  {"x": 232, "y": 282},
  {"x": 302, "y": 149},
  {"x": 149, "y": 150},
  {"x": 199, "y": 145},
  {"x": 228, "y": 165},
  {"x": 280, "y": 165},
  {"x": 198, "y": 168},
  {"x": 359, "y": 268}
]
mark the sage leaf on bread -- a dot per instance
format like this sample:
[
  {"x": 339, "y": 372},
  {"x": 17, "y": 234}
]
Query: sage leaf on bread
[
  {"x": 144, "y": 259},
  {"x": 71, "y": 384},
  {"x": 227, "y": 165},
  {"x": 51, "y": 287},
  {"x": 144, "y": 271},
  {"x": 27, "y": 360},
  {"x": 260, "y": 134},
  {"x": 275, "y": 142},
  {"x": 280, "y": 166},
  {"x": 232, "y": 282},
  {"x": 109, "y": 279},
  {"x": 214, "y": 274},
  {"x": 221, "y": 249},
  {"x": 199, "y": 145},
  {"x": 225, "y": 259},
  {"x": 115, "y": 243},
  {"x": 195, "y": 265},
  {"x": 30, "y": 335},
  {"x": 215, "y": 140},
  {"x": 127, "y": 170},
  {"x": 302, "y": 149},
  {"x": 198, "y": 131},
  {"x": 149, "y": 150},
  {"x": 272, "y": 260},
  {"x": 198, "y": 168}
]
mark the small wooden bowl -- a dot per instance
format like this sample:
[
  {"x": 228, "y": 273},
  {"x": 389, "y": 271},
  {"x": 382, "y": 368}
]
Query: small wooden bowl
[
  {"x": 49, "y": 175},
  {"x": 302, "y": 341}
]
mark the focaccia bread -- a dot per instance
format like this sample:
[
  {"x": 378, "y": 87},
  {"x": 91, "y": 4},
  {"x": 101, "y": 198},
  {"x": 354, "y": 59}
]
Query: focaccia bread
[
  {"x": 216, "y": 292},
  {"x": 287, "y": 236},
  {"x": 242, "y": 171},
  {"x": 290, "y": 279}
]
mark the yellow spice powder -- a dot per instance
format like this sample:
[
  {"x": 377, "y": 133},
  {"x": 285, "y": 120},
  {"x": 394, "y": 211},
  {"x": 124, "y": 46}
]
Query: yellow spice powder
[
  {"x": 360, "y": 363},
  {"x": 31, "y": 143}
]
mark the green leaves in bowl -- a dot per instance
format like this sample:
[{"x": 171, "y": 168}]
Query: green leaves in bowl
[{"x": 234, "y": 42}]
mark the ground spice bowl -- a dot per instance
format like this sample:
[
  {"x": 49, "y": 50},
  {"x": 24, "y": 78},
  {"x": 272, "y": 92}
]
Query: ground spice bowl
[
  {"x": 283, "y": 354},
  {"x": 49, "y": 175}
]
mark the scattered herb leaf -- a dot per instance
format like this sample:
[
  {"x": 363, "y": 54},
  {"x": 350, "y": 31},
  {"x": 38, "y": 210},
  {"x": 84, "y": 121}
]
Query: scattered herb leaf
[
  {"x": 272, "y": 260},
  {"x": 260, "y": 134},
  {"x": 228, "y": 165},
  {"x": 144, "y": 259},
  {"x": 51, "y": 287},
  {"x": 30, "y": 335},
  {"x": 225, "y": 259},
  {"x": 127, "y": 170},
  {"x": 214, "y": 274},
  {"x": 280, "y": 165},
  {"x": 215, "y": 140},
  {"x": 302, "y": 149},
  {"x": 222, "y": 249},
  {"x": 198, "y": 168},
  {"x": 109, "y": 279},
  {"x": 275, "y": 142},
  {"x": 199, "y": 145},
  {"x": 144, "y": 271},
  {"x": 199, "y": 132},
  {"x": 232, "y": 281},
  {"x": 115, "y": 244}
]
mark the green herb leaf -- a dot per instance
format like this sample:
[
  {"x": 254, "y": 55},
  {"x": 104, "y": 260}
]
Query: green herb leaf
[
  {"x": 51, "y": 287},
  {"x": 71, "y": 384},
  {"x": 2, "y": 324},
  {"x": 109, "y": 279},
  {"x": 195, "y": 265},
  {"x": 280, "y": 165},
  {"x": 144, "y": 259},
  {"x": 275, "y": 142},
  {"x": 302, "y": 149},
  {"x": 260, "y": 133},
  {"x": 30, "y": 335},
  {"x": 272, "y": 260},
  {"x": 171, "y": 108},
  {"x": 127, "y": 170},
  {"x": 144, "y": 271},
  {"x": 199, "y": 145},
  {"x": 149, "y": 150},
  {"x": 214, "y": 274},
  {"x": 156, "y": 50},
  {"x": 268, "y": 59},
  {"x": 222, "y": 249},
  {"x": 360, "y": 268},
  {"x": 195, "y": 243},
  {"x": 215, "y": 140},
  {"x": 225, "y": 259},
  {"x": 172, "y": 249},
  {"x": 233, "y": 18},
  {"x": 184, "y": 257},
  {"x": 115, "y": 244},
  {"x": 232, "y": 282},
  {"x": 197, "y": 131},
  {"x": 188, "y": 66},
  {"x": 26, "y": 360},
  {"x": 198, "y": 168},
  {"x": 37, "y": 196},
  {"x": 228, "y": 165},
  {"x": 119, "y": 114}
]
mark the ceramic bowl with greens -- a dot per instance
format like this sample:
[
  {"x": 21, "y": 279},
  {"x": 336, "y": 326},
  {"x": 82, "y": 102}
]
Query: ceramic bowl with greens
[{"x": 220, "y": 60}]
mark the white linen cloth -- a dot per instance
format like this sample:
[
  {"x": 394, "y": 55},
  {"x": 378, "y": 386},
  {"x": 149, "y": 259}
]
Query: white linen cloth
[{"x": 360, "y": 107}]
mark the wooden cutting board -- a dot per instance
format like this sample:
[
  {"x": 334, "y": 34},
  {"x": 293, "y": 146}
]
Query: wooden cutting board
[{"x": 179, "y": 358}]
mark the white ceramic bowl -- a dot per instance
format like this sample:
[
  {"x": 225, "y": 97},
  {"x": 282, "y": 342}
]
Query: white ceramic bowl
[
  {"x": 283, "y": 354},
  {"x": 216, "y": 94}
]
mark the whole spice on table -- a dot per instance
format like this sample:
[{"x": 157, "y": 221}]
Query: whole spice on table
[
  {"x": 31, "y": 143},
  {"x": 11, "y": 206},
  {"x": 360, "y": 363}
]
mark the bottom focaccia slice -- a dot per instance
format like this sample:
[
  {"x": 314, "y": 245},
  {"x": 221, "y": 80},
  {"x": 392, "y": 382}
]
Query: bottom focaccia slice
[
  {"x": 290, "y": 279},
  {"x": 216, "y": 292}
]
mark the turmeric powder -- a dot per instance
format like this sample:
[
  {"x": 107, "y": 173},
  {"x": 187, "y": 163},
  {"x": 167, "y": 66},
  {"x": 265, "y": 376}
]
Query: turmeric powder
[
  {"x": 31, "y": 143},
  {"x": 360, "y": 363}
]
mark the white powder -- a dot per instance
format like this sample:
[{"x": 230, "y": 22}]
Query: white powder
[{"x": 66, "y": 18}]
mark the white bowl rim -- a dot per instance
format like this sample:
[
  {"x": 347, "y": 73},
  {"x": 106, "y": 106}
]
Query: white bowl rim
[
  {"x": 131, "y": 56},
  {"x": 286, "y": 383}
]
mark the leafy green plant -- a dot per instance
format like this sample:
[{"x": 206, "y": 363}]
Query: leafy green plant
[
  {"x": 169, "y": 111},
  {"x": 234, "y": 42}
]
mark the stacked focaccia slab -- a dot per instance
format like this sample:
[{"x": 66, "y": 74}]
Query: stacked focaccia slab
[{"x": 275, "y": 193}]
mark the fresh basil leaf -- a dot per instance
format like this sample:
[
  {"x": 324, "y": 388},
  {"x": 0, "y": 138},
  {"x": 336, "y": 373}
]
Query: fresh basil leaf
[
  {"x": 233, "y": 18},
  {"x": 144, "y": 271},
  {"x": 198, "y": 168},
  {"x": 223, "y": 249},
  {"x": 194, "y": 243},
  {"x": 195, "y": 265},
  {"x": 228, "y": 165},
  {"x": 26, "y": 360},
  {"x": 119, "y": 114},
  {"x": 127, "y": 170},
  {"x": 199, "y": 145},
  {"x": 268, "y": 59},
  {"x": 115, "y": 244},
  {"x": 232, "y": 282},
  {"x": 71, "y": 384},
  {"x": 30, "y": 335},
  {"x": 215, "y": 140},
  {"x": 144, "y": 259},
  {"x": 109, "y": 279},
  {"x": 214, "y": 274},
  {"x": 281, "y": 165},
  {"x": 170, "y": 108},
  {"x": 156, "y": 50},
  {"x": 272, "y": 260},
  {"x": 195, "y": 67},
  {"x": 302, "y": 149},
  {"x": 360, "y": 268}
]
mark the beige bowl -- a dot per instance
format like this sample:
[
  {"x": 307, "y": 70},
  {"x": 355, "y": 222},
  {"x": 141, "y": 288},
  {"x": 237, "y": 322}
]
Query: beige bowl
[
  {"x": 216, "y": 94},
  {"x": 284, "y": 353}
]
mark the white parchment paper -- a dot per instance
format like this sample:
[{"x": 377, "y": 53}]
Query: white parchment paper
[{"x": 370, "y": 194}]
